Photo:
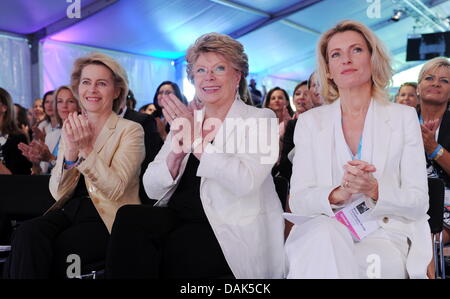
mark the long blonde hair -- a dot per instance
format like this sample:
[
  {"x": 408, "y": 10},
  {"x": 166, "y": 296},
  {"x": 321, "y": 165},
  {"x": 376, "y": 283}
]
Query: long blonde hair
[{"x": 380, "y": 62}]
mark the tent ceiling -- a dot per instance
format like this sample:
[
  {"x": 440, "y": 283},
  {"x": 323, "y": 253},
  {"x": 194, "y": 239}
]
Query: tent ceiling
[{"x": 279, "y": 36}]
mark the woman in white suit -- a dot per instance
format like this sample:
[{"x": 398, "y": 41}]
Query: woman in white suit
[
  {"x": 218, "y": 214},
  {"x": 358, "y": 149}
]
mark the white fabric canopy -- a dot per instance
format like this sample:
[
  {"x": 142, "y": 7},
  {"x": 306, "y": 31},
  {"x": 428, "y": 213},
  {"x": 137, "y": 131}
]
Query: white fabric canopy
[
  {"x": 144, "y": 73},
  {"x": 15, "y": 69}
]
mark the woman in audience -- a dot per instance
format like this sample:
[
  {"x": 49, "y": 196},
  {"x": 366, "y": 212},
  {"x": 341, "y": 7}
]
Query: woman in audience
[
  {"x": 434, "y": 117},
  {"x": 165, "y": 88},
  {"x": 43, "y": 155},
  {"x": 11, "y": 160},
  {"x": 37, "y": 111},
  {"x": 314, "y": 93},
  {"x": 218, "y": 214},
  {"x": 363, "y": 153},
  {"x": 277, "y": 99},
  {"x": 407, "y": 94},
  {"x": 96, "y": 172},
  {"x": 302, "y": 99},
  {"x": 50, "y": 123},
  {"x": 148, "y": 109},
  {"x": 22, "y": 121}
]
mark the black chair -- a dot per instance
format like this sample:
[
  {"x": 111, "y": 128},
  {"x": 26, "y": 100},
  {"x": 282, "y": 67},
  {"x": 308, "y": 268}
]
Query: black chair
[
  {"x": 282, "y": 188},
  {"x": 436, "y": 192},
  {"x": 22, "y": 197}
]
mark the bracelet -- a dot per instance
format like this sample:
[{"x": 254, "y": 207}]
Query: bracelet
[
  {"x": 69, "y": 164},
  {"x": 435, "y": 152},
  {"x": 439, "y": 154}
]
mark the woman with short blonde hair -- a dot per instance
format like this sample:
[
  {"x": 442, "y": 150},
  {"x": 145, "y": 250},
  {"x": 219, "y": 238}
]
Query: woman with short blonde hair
[
  {"x": 96, "y": 172},
  {"x": 119, "y": 76}
]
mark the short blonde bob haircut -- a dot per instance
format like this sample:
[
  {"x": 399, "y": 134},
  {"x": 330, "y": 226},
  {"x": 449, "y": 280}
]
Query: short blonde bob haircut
[
  {"x": 432, "y": 65},
  {"x": 119, "y": 76},
  {"x": 380, "y": 62},
  {"x": 229, "y": 48}
]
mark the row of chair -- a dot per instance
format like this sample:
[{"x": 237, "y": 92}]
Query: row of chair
[{"x": 24, "y": 197}]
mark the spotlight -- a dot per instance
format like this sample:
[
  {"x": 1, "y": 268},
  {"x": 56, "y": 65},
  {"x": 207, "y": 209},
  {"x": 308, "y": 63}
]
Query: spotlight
[{"x": 397, "y": 15}]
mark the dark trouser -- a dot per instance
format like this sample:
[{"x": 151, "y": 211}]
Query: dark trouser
[
  {"x": 151, "y": 242},
  {"x": 41, "y": 246}
]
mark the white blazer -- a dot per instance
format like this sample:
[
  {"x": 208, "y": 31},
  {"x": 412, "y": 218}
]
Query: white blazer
[
  {"x": 237, "y": 193},
  {"x": 398, "y": 155}
]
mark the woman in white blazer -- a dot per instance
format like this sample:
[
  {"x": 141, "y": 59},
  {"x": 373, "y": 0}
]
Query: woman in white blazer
[
  {"x": 218, "y": 214},
  {"x": 359, "y": 150}
]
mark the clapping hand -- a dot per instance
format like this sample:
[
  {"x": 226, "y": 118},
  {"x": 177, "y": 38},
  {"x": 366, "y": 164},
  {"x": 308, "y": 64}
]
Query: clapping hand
[
  {"x": 429, "y": 129},
  {"x": 78, "y": 136},
  {"x": 36, "y": 152}
]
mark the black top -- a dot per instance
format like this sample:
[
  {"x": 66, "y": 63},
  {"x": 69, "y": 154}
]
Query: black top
[
  {"x": 284, "y": 167},
  {"x": 153, "y": 144},
  {"x": 186, "y": 198},
  {"x": 13, "y": 158}
]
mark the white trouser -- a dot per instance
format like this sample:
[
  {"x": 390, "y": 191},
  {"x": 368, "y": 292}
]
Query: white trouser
[{"x": 324, "y": 248}]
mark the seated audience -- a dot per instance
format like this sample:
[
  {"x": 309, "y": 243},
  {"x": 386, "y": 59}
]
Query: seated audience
[
  {"x": 212, "y": 203},
  {"x": 11, "y": 160},
  {"x": 50, "y": 123},
  {"x": 165, "y": 88},
  {"x": 22, "y": 121},
  {"x": 148, "y": 109},
  {"x": 314, "y": 93},
  {"x": 302, "y": 99},
  {"x": 96, "y": 172},
  {"x": 434, "y": 117},
  {"x": 43, "y": 155},
  {"x": 359, "y": 153},
  {"x": 407, "y": 94},
  {"x": 277, "y": 99}
]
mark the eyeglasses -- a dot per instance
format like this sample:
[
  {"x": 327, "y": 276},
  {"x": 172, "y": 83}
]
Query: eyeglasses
[{"x": 219, "y": 70}]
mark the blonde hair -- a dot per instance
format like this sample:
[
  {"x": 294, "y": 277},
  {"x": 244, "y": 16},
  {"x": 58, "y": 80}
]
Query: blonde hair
[
  {"x": 380, "y": 62},
  {"x": 433, "y": 64},
  {"x": 231, "y": 49},
  {"x": 55, "y": 103},
  {"x": 119, "y": 76}
]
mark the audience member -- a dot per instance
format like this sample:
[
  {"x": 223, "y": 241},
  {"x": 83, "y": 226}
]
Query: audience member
[
  {"x": 434, "y": 117},
  {"x": 407, "y": 94},
  {"x": 131, "y": 101},
  {"x": 277, "y": 99},
  {"x": 22, "y": 120},
  {"x": 256, "y": 95},
  {"x": 165, "y": 88},
  {"x": 314, "y": 87},
  {"x": 212, "y": 203},
  {"x": 43, "y": 155},
  {"x": 50, "y": 122},
  {"x": 364, "y": 153},
  {"x": 96, "y": 172},
  {"x": 11, "y": 160},
  {"x": 302, "y": 99},
  {"x": 148, "y": 109}
]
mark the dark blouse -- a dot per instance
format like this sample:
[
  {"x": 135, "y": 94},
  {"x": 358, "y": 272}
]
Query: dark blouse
[
  {"x": 13, "y": 158},
  {"x": 186, "y": 198}
]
